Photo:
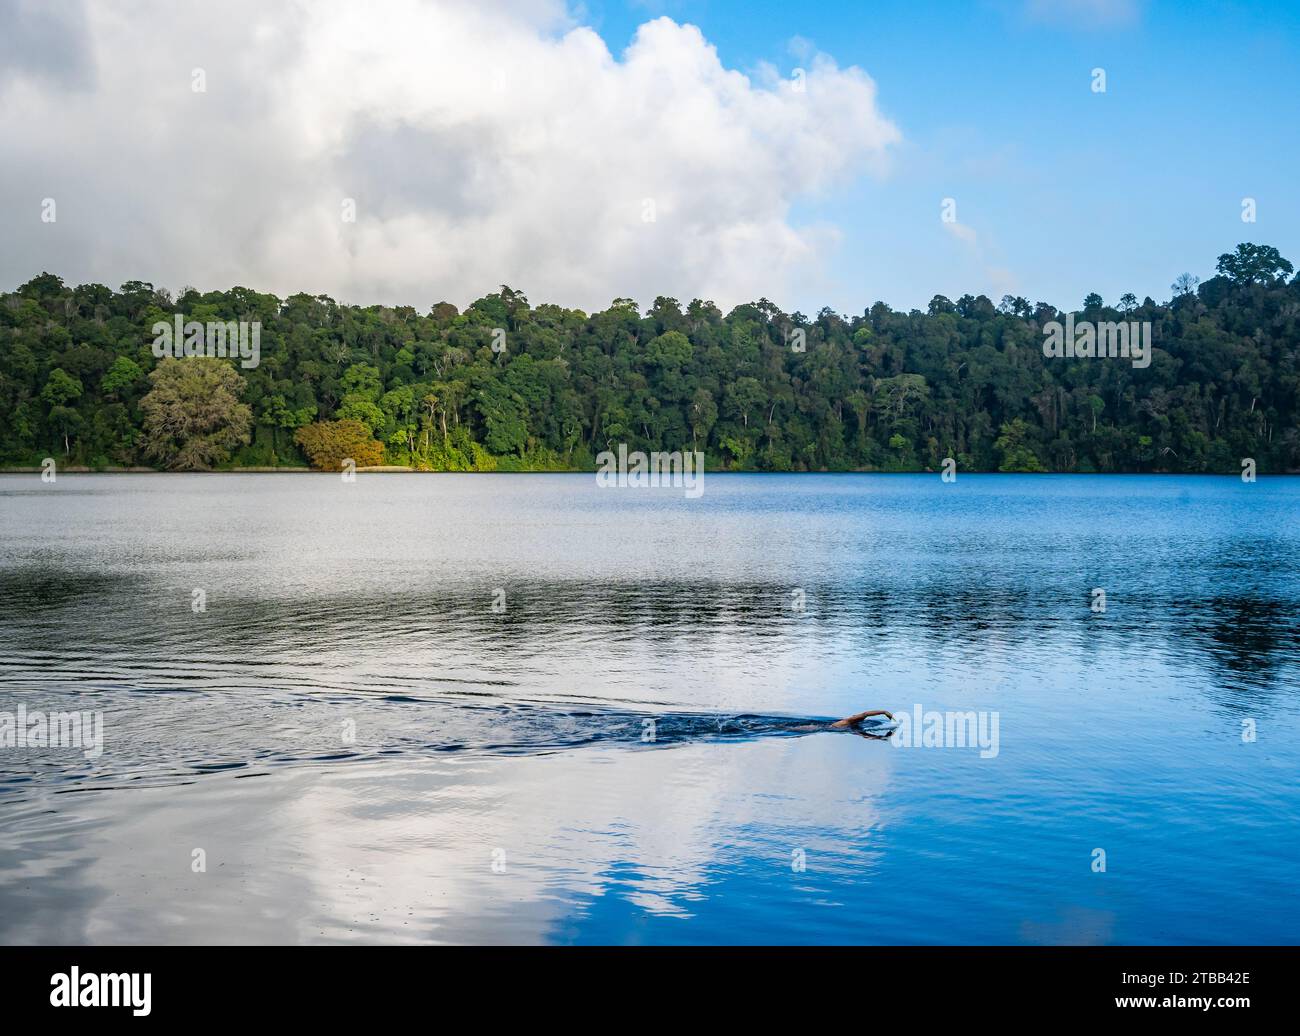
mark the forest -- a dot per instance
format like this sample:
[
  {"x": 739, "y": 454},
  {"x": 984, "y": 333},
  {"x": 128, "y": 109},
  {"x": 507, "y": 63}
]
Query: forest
[{"x": 507, "y": 385}]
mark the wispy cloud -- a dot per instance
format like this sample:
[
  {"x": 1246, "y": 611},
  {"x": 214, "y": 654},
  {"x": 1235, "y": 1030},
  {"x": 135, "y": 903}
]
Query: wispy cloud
[
  {"x": 1085, "y": 13},
  {"x": 963, "y": 233}
]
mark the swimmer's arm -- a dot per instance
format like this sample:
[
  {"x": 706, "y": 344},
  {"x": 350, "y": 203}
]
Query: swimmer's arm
[{"x": 849, "y": 721}]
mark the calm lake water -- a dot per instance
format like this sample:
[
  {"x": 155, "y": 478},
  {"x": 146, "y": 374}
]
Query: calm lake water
[{"x": 418, "y": 708}]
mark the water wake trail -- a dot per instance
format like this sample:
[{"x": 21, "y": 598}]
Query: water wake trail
[{"x": 154, "y": 737}]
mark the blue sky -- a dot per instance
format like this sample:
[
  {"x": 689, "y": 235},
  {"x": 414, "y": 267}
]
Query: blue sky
[{"x": 1068, "y": 191}]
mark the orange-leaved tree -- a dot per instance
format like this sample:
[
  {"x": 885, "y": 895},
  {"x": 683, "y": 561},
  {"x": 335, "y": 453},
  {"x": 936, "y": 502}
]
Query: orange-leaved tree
[{"x": 329, "y": 443}]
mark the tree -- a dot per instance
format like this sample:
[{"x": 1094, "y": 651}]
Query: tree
[
  {"x": 193, "y": 418},
  {"x": 704, "y": 414},
  {"x": 329, "y": 443},
  {"x": 1017, "y": 453},
  {"x": 740, "y": 449},
  {"x": 506, "y": 430},
  {"x": 1254, "y": 264},
  {"x": 365, "y": 411},
  {"x": 60, "y": 389},
  {"x": 121, "y": 377},
  {"x": 899, "y": 393},
  {"x": 743, "y": 398},
  {"x": 672, "y": 349},
  {"x": 1096, "y": 404},
  {"x": 362, "y": 385}
]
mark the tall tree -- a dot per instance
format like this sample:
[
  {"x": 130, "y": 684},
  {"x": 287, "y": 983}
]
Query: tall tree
[{"x": 193, "y": 417}]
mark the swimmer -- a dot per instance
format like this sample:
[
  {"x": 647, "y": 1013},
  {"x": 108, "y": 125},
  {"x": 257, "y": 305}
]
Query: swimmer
[{"x": 850, "y": 723}]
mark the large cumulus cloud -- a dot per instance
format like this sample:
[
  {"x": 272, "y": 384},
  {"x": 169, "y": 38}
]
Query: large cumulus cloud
[{"x": 481, "y": 143}]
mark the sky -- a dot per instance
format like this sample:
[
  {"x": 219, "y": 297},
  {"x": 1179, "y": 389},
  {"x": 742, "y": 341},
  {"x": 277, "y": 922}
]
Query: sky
[{"x": 830, "y": 154}]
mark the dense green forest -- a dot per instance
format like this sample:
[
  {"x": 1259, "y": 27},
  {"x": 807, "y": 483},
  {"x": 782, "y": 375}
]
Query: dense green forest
[{"x": 754, "y": 389}]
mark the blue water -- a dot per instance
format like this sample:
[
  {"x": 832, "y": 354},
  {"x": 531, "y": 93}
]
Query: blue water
[{"x": 526, "y": 709}]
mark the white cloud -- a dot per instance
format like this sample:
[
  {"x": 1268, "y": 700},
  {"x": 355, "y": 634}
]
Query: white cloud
[{"x": 482, "y": 143}]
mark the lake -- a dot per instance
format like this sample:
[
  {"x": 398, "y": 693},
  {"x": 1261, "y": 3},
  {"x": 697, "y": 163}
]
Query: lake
[{"x": 527, "y": 709}]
